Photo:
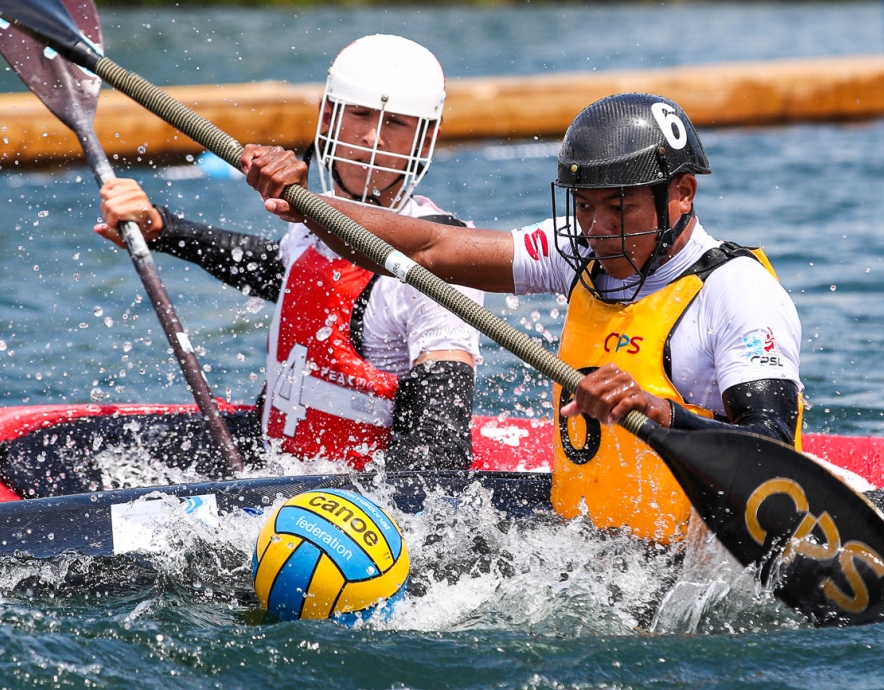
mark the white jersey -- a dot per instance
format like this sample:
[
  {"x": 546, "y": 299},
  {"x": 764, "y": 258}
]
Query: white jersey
[
  {"x": 742, "y": 327},
  {"x": 400, "y": 323}
]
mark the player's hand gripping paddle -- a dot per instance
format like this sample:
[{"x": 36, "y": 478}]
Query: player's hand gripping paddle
[
  {"x": 811, "y": 537},
  {"x": 71, "y": 94}
]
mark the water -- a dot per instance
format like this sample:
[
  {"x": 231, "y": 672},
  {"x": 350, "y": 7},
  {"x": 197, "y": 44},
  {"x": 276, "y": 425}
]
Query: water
[{"x": 545, "y": 606}]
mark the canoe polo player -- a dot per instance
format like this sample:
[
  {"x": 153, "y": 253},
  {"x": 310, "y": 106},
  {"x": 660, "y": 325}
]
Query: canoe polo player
[{"x": 663, "y": 318}]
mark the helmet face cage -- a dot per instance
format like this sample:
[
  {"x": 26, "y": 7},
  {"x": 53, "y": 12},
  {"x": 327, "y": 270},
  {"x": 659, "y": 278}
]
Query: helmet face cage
[
  {"x": 573, "y": 246},
  {"x": 410, "y": 168}
]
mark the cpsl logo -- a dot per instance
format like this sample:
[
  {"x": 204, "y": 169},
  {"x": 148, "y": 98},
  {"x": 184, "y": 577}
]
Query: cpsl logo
[
  {"x": 805, "y": 543},
  {"x": 763, "y": 353},
  {"x": 614, "y": 342},
  {"x": 537, "y": 244}
]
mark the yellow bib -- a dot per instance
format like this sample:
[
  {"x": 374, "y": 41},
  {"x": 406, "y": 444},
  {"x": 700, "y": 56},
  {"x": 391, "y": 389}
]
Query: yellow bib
[{"x": 605, "y": 471}]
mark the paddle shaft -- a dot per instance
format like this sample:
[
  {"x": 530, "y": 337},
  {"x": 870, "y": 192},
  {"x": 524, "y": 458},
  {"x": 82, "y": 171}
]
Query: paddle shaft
[
  {"x": 144, "y": 264},
  {"x": 226, "y": 147},
  {"x": 72, "y": 96}
]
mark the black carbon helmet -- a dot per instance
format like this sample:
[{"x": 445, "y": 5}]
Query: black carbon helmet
[
  {"x": 629, "y": 140},
  {"x": 622, "y": 141}
]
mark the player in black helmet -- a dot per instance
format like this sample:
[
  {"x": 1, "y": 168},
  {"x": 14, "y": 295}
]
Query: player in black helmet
[
  {"x": 662, "y": 318},
  {"x": 615, "y": 144}
]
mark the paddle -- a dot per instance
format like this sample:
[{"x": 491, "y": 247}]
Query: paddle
[
  {"x": 72, "y": 95},
  {"x": 810, "y": 536}
]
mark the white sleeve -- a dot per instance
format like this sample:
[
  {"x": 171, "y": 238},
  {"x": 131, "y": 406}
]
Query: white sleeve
[
  {"x": 431, "y": 327},
  {"x": 401, "y": 323},
  {"x": 754, "y": 330},
  {"x": 537, "y": 264}
]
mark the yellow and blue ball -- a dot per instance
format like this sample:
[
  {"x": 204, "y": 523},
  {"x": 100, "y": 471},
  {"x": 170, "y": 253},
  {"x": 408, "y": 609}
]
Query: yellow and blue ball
[{"x": 330, "y": 553}]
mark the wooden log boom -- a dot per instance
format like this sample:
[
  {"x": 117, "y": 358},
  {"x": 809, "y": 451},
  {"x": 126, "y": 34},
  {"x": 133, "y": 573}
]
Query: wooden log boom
[{"x": 517, "y": 107}]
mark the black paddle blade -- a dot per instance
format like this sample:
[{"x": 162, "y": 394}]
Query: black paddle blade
[
  {"x": 50, "y": 22},
  {"x": 813, "y": 539},
  {"x": 69, "y": 91}
]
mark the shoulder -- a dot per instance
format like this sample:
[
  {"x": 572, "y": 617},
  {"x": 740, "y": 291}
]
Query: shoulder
[
  {"x": 537, "y": 264},
  {"x": 744, "y": 273},
  {"x": 420, "y": 207},
  {"x": 410, "y": 304},
  {"x": 742, "y": 296},
  {"x": 744, "y": 287},
  {"x": 394, "y": 289}
]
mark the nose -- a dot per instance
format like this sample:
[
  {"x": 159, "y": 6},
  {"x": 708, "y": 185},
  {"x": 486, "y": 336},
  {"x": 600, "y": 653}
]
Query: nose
[
  {"x": 598, "y": 223},
  {"x": 587, "y": 218},
  {"x": 372, "y": 137}
]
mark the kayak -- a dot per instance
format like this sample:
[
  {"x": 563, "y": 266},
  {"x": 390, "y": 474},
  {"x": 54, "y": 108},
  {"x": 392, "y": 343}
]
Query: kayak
[
  {"x": 88, "y": 444},
  {"x": 511, "y": 470},
  {"x": 108, "y": 517},
  {"x": 36, "y": 438},
  {"x": 500, "y": 444}
]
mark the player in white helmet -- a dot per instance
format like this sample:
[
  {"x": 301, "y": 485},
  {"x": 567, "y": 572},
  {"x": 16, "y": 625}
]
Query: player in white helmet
[
  {"x": 360, "y": 367},
  {"x": 395, "y": 87}
]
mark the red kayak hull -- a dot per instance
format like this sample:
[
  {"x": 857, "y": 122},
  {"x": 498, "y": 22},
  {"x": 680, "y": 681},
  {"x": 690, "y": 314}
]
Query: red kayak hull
[{"x": 511, "y": 444}]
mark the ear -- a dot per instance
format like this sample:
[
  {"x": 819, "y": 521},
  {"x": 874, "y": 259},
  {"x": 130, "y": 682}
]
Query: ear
[
  {"x": 428, "y": 138},
  {"x": 683, "y": 191},
  {"x": 326, "y": 118}
]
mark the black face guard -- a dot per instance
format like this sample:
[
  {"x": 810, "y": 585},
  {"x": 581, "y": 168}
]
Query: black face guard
[{"x": 573, "y": 245}]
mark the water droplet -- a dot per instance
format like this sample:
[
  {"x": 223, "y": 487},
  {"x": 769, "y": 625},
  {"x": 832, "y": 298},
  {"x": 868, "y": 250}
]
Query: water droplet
[
  {"x": 98, "y": 311},
  {"x": 254, "y": 305},
  {"x": 833, "y": 288},
  {"x": 323, "y": 333},
  {"x": 512, "y": 301}
]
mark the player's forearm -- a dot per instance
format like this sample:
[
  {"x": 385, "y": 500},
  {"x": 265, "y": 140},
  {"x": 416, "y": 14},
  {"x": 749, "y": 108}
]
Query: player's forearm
[
  {"x": 247, "y": 262},
  {"x": 769, "y": 407},
  {"x": 431, "y": 426},
  {"x": 480, "y": 259}
]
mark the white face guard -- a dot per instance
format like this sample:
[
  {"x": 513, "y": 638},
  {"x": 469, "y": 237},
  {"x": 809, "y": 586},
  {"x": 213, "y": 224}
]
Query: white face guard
[{"x": 390, "y": 76}]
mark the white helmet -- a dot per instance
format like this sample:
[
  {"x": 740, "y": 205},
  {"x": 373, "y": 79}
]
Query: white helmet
[{"x": 389, "y": 74}]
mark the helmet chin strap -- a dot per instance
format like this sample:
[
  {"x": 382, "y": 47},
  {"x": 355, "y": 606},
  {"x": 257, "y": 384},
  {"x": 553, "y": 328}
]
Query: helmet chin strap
[{"x": 667, "y": 235}]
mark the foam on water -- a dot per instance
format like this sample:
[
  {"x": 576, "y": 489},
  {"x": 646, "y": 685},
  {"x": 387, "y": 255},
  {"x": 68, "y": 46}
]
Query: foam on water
[{"x": 473, "y": 569}]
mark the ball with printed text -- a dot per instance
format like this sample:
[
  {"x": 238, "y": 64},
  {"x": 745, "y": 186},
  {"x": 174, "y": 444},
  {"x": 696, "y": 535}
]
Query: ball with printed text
[{"x": 329, "y": 554}]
